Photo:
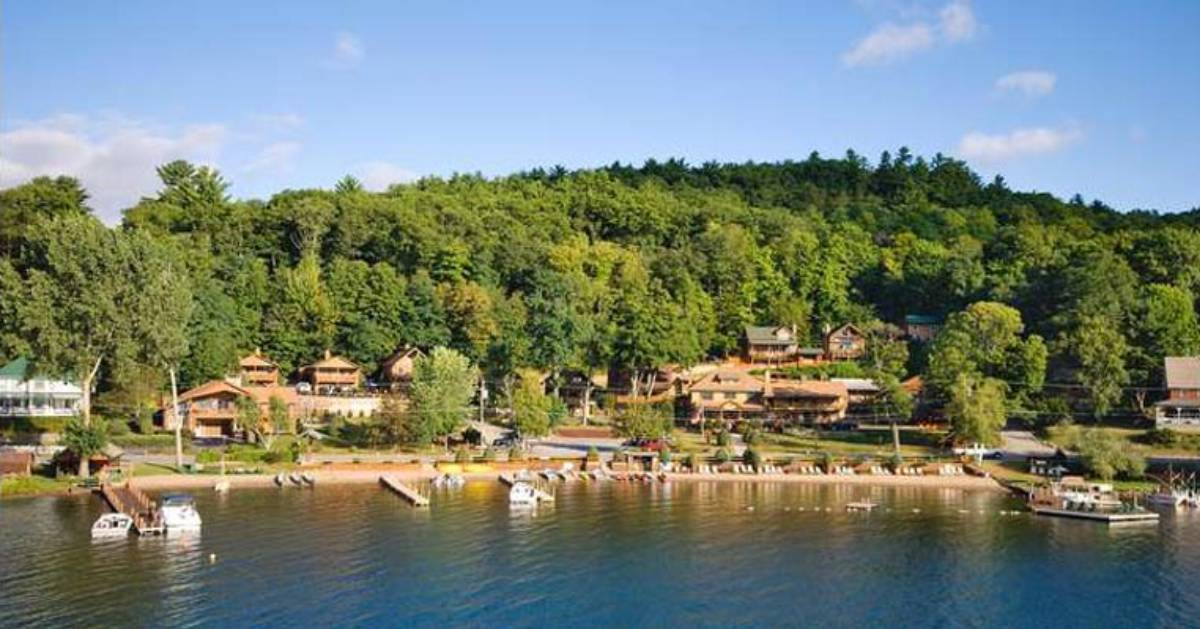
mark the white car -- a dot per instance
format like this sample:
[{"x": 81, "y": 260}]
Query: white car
[{"x": 976, "y": 450}]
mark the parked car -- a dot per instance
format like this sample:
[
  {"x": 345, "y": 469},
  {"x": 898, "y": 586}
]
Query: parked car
[
  {"x": 506, "y": 440},
  {"x": 978, "y": 450},
  {"x": 652, "y": 445}
]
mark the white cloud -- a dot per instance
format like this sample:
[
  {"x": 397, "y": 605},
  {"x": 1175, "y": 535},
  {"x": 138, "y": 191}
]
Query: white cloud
[
  {"x": 891, "y": 42},
  {"x": 1029, "y": 82},
  {"x": 114, "y": 157},
  {"x": 275, "y": 158},
  {"x": 377, "y": 176},
  {"x": 348, "y": 51},
  {"x": 1017, "y": 143},
  {"x": 957, "y": 21}
]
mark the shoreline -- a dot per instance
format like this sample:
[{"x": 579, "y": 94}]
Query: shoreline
[
  {"x": 358, "y": 477},
  {"x": 167, "y": 482}
]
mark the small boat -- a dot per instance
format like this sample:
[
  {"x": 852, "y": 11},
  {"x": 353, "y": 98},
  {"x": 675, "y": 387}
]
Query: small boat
[
  {"x": 179, "y": 512},
  {"x": 309, "y": 479},
  {"x": 112, "y": 525},
  {"x": 280, "y": 479},
  {"x": 221, "y": 487},
  {"x": 522, "y": 493},
  {"x": 295, "y": 478}
]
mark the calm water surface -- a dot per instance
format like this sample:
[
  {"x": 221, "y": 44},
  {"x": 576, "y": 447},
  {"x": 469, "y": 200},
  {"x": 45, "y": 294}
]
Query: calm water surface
[{"x": 608, "y": 555}]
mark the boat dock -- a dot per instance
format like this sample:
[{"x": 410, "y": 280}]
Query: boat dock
[
  {"x": 135, "y": 503},
  {"x": 404, "y": 491},
  {"x": 542, "y": 495},
  {"x": 1097, "y": 516}
]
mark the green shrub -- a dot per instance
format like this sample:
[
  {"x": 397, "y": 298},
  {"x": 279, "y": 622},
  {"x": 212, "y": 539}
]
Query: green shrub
[
  {"x": 1167, "y": 438},
  {"x": 118, "y": 429},
  {"x": 724, "y": 455},
  {"x": 664, "y": 455},
  {"x": 752, "y": 458},
  {"x": 827, "y": 461},
  {"x": 751, "y": 436},
  {"x": 273, "y": 456},
  {"x": 147, "y": 442},
  {"x": 462, "y": 455},
  {"x": 145, "y": 425},
  {"x": 246, "y": 454},
  {"x": 724, "y": 439},
  {"x": 208, "y": 456},
  {"x": 690, "y": 461},
  {"x": 593, "y": 454}
]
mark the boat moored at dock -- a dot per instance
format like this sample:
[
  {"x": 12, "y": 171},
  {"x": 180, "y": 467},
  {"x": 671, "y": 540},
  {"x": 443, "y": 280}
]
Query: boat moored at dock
[
  {"x": 1073, "y": 497},
  {"x": 112, "y": 525},
  {"x": 179, "y": 513}
]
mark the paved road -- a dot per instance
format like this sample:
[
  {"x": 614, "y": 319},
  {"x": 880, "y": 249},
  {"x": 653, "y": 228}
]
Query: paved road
[{"x": 1022, "y": 444}]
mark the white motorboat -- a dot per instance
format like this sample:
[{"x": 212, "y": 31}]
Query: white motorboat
[
  {"x": 221, "y": 486},
  {"x": 309, "y": 479},
  {"x": 280, "y": 479},
  {"x": 449, "y": 480},
  {"x": 179, "y": 512},
  {"x": 522, "y": 493},
  {"x": 295, "y": 478},
  {"x": 112, "y": 525}
]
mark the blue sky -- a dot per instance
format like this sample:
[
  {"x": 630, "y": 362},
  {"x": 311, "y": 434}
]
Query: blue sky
[{"x": 1099, "y": 98}]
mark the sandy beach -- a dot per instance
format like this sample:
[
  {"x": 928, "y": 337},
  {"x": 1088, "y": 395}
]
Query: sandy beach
[{"x": 363, "y": 476}]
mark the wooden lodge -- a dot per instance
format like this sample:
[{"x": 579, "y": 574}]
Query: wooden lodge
[
  {"x": 737, "y": 395},
  {"x": 332, "y": 374},
  {"x": 845, "y": 343},
  {"x": 207, "y": 411},
  {"x": 397, "y": 369},
  {"x": 257, "y": 371},
  {"x": 1182, "y": 406},
  {"x": 922, "y": 328}
]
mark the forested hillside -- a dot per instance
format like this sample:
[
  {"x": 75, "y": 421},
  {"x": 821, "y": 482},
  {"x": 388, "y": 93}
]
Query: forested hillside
[{"x": 620, "y": 266}]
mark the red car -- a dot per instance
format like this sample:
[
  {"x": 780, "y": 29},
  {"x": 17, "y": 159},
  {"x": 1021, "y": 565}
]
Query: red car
[{"x": 652, "y": 445}]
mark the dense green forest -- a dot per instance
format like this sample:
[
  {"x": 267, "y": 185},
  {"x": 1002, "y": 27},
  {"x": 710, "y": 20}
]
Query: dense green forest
[{"x": 623, "y": 266}]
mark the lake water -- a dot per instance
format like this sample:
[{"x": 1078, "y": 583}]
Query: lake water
[{"x": 604, "y": 555}]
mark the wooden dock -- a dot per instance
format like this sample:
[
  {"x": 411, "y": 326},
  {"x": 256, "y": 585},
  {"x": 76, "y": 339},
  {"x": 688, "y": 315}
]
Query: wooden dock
[
  {"x": 404, "y": 491},
  {"x": 1109, "y": 518},
  {"x": 135, "y": 503}
]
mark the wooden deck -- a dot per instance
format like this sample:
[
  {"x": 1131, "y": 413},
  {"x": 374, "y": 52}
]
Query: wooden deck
[
  {"x": 1110, "y": 518},
  {"x": 404, "y": 491},
  {"x": 135, "y": 503}
]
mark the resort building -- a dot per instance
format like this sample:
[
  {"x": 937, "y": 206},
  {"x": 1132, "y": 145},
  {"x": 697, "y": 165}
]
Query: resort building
[
  {"x": 736, "y": 395},
  {"x": 208, "y": 411},
  {"x": 1182, "y": 406},
  {"x": 396, "y": 370},
  {"x": 845, "y": 343},
  {"x": 332, "y": 374},
  {"x": 805, "y": 401},
  {"x": 775, "y": 345},
  {"x": 257, "y": 371},
  {"x": 26, "y": 394},
  {"x": 923, "y": 328}
]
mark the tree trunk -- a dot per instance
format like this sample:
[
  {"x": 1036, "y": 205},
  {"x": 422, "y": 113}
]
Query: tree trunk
[
  {"x": 587, "y": 400},
  {"x": 178, "y": 421}
]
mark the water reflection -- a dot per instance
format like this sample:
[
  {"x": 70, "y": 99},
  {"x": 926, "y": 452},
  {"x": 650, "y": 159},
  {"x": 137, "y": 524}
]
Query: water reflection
[{"x": 604, "y": 553}]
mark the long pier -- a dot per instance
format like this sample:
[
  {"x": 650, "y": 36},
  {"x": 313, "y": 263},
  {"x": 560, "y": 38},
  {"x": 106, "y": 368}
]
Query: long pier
[
  {"x": 404, "y": 491},
  {"x": 135, "y": 503}
]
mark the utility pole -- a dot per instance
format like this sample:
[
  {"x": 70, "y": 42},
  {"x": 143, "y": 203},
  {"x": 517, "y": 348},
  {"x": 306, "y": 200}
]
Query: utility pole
[
  {"x": 178, "y": 422},
  {"x": 483, "y": 396}
]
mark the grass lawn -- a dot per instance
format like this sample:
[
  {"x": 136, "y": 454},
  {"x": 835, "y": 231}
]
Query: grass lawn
[
  {"x": 1187, "y": 444},
  {"x": 876, "y": 442},
  {"x": 12, "y": 486}
]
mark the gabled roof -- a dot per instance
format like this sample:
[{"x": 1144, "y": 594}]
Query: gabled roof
[
  {"x": 728, "y": 381},
  {"x": 401, "y": 352},
  {"x": 212, "y": 387},
  {"x": 1183, "y": 372},
  {"x": 331, "y": 362},
  {"x": 255, "y": 360},
  {"x": 845, "y": 327},
  {"x": 15, "y": 369},
  {"x": 770, "y": 335},
  {"x": 808, "y": 388},
  {"x": 859, "y": 385}
]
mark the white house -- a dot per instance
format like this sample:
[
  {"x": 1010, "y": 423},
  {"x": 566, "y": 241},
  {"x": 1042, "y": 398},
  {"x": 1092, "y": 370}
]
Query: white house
[{"x": 22, "y": 394}]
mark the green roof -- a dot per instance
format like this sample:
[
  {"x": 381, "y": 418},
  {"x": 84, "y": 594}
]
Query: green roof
[
  {"x": 765, "y": 335},
  {"x": 16, "y": 369},
  {"x": 919, "y": 319}
]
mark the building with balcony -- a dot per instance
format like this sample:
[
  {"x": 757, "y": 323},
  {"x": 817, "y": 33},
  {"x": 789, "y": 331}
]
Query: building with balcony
[
  {"x": 1182, "y": 406},
  {"x": 24, "y": 393},
  {"x": 332, "y": 374},
  {"x": 257, "y": 371}
]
